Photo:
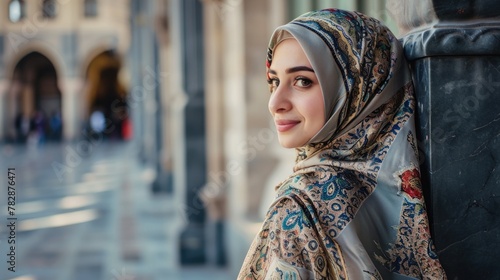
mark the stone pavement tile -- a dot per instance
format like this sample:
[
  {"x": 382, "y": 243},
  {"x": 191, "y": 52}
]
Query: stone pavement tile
[
  {"x": 43, "y": 258},
  {"x": 134, "y": 236},
  {"x": 88, "y": 271},
  {"x": 157, "y": 225}
]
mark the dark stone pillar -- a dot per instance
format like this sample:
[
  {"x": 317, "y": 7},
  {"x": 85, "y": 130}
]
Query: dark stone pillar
[
  {"x": 454, "y": 51},
  {"x": 192, "y": 240}
]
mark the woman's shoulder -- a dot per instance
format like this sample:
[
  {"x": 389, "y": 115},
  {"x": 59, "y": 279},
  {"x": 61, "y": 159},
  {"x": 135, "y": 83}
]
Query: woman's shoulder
[
  {"x": 325, "y": 197},
  {"x": 295, "y": 184},
  {"x": 306, "y": 182},
  {"x": 301, "y": 189}
]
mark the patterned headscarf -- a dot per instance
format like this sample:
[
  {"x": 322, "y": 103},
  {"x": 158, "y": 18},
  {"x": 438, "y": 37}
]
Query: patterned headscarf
[
  {"x": 354, "y": 59},
  {"x": 353, "y": 208}
]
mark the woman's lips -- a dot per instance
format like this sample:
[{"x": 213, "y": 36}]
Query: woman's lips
[{"x": 285, "y": 125}]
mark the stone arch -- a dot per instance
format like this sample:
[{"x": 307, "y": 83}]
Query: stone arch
[
  {"x": 34, "y": 100},
  {"x": 41, "y": 48},
  {"x": 104, "y": 94},
  {"x": 91, "y": 55}
]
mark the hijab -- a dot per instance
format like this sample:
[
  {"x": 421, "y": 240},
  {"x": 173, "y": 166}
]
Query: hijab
[{"x": 353, "y": 207}]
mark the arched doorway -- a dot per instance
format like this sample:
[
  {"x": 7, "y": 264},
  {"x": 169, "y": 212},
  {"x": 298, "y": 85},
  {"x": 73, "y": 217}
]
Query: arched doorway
[
  {"x": 106, "y": 97},
  {"x": 35, "y": 105}
]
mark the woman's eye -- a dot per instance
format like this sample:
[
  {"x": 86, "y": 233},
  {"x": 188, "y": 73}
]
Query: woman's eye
[
  {"x": 273, "y": 84},
  {"x": 302, "y": 82}
]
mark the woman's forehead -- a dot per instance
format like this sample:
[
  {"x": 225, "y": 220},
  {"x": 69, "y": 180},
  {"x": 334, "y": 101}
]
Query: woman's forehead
[{"x": 288, "y": 53}]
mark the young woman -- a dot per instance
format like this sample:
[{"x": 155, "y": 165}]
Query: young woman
[{"x": 353, "y": 208}]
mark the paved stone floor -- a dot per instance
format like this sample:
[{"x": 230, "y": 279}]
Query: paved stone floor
[{"x": 86, "y": 213}]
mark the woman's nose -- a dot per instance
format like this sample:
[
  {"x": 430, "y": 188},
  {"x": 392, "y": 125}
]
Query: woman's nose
[{"x": 280, "y": 100}]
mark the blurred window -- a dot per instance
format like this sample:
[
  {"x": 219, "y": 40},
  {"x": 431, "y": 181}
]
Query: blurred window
[
  {"x": 49, "y": 8},
  {"x": 90, "y": 8},
  {"x": 16, "y": 10}
]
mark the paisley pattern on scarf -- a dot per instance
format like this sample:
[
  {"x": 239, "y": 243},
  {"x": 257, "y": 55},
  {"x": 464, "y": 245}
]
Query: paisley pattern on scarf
[
  {"x": 310, "y": 230},
  {"x": 282, "y": 271}
]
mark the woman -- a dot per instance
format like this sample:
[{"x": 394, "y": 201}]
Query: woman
[{"x": 353, "y": 208}]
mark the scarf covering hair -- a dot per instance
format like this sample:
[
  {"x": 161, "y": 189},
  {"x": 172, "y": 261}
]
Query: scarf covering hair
[{"x": 353, "y": 208}]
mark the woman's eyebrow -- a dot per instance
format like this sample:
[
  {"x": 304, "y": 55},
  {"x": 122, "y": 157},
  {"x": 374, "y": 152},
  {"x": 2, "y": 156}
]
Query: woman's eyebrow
[
  {"x": 298, "y": 68},
  {"x": 271, "y": 71},
  {"x": 293, "y": 69}
]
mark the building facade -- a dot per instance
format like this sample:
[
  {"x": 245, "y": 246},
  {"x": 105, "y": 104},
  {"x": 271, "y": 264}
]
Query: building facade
[{"x": 54, "y": 54}]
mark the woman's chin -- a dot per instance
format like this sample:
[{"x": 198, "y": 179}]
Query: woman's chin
[{"x": 289, "y": 143}]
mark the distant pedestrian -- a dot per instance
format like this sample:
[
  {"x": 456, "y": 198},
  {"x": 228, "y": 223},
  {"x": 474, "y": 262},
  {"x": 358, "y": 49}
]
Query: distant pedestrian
[
  {"x": 97, "y": 121},
  {"x": 55, "y": 126},
  {"x": 38, "y": 127},
  {"x": 22, "y": 126},
  {"x": 341, "y": 95}
]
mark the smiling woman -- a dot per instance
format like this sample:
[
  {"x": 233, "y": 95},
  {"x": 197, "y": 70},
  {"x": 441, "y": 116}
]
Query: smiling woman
[
  {"x": 295, "y": 95},
  {"x": 353, "y": 208}
]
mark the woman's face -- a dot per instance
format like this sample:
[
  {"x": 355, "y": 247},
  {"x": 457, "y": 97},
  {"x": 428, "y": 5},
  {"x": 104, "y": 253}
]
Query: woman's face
[{"x": 296, "y": 102}]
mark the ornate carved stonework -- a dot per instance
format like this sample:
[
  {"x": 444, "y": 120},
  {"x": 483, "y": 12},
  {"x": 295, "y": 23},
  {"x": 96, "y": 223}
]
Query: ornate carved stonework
[
  {"x": 413, "y": 15},
  {"x": 457, "y": 39}
]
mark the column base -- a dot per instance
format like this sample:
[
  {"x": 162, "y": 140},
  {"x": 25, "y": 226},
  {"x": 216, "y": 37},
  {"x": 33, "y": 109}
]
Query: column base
[{"x": 192, "y": 244}]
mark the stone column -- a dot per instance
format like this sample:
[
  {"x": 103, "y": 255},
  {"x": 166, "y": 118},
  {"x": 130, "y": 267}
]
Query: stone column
[
  {"x": 454, "y": 50},
  {"x": 145, "y": 90},
  {"x": 151, "y": 101},
  {"x": 70, "y": 90},
  {"x": 235, "y": 133},
  {"x": 192, "y": 238},
  {"x": 164, "y": 181},
  {"x": 176, "y": 99},
  {"x": 3, "y": 85},
  {"x": 3, "y": 113},
  {"x": 214, "y": 193}
]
